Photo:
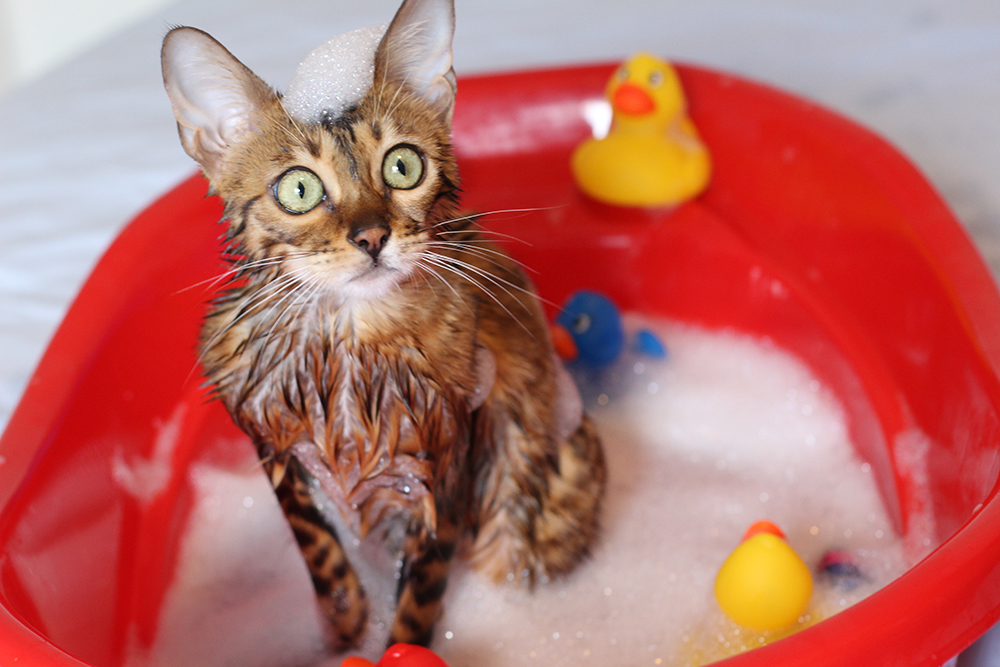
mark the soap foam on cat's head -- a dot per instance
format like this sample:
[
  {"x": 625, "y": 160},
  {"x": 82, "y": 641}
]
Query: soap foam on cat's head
[{"x": 334, "y": 76}]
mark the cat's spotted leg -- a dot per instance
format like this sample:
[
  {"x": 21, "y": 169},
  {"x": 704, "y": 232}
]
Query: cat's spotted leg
[
  {"x": 340, "y": 594},
  {"x": 422, "y": 584},
  {"x": 538, "y": 510}
]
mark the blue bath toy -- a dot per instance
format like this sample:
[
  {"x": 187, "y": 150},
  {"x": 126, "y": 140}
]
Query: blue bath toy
[
  {"x": 595, "y": 326},
  {"x": 649, "y": 344},
  {"x": 840, "y": 568},
  {"x": 590, "y": 330}
]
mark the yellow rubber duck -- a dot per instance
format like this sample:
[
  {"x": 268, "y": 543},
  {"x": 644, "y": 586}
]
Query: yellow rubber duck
[
  {"x": 652, "y": 155},
  {"x": 764, "y": 590},
  {"x": 764, "y": 585}
]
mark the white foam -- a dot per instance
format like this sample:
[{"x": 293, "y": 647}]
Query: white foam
[
  {"x": 910, "y": 450},
  {"x": 241, "y": 594},
  {"x": 726, "y": 431},
  {"x": 335, "y": 75}
]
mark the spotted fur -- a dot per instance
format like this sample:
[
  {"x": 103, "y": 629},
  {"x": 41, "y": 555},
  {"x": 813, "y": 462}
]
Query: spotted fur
[
  {"x": 386, "y": 359},
  {"x": 337, "y": 587}
]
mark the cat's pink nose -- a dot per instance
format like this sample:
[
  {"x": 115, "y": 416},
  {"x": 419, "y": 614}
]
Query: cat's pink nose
[{"x": 370, "y": 239}]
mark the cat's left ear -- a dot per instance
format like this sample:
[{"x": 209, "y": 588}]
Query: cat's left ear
[{"x": 416, "y": 52}]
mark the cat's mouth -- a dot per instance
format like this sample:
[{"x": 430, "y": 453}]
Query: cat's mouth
[
  {"x": 359, "y": 279},
  {"x": 374, "y": 279},
  {"x": 373, "y": 284},
  {"x": 377, "y": 270}
]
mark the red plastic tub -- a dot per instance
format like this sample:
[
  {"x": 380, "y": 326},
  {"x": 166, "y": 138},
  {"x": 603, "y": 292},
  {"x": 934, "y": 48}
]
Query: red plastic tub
[{"x": 813, "y": 232}]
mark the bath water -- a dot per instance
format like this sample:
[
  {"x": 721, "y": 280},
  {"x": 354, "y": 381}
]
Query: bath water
[{"x": 723, "y": 432}]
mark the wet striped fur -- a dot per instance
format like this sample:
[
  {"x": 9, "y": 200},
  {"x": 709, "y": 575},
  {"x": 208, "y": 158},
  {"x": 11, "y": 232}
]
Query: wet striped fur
[
  {"x": 337, "y": 587},
  {"x": 392, "y": 366}
]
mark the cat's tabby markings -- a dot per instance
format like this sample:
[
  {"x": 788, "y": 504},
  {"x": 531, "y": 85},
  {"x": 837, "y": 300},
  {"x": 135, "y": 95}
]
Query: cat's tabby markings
[{"x": 390, "y": 364}]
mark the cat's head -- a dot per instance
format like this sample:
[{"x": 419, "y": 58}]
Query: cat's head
[{"x": 344, "y": 198}]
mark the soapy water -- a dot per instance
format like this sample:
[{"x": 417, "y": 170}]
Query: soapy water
[{"x": 725, "y": 431}]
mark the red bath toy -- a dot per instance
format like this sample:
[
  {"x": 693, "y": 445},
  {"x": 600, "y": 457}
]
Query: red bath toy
[{"x": 400, "y": 655}]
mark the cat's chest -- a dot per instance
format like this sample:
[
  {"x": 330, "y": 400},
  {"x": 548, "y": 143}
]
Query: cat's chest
[
  {"x": 377, "y": 406},
  {"x": 386, "y": 435},
  {"x": 362, "y": 404},
  {"x": 380, "y": 427}
]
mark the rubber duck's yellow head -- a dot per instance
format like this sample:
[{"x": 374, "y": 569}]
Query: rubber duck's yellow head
[
  {"x": 646, "y": 88},
  {"x": 764, "y": 584}
]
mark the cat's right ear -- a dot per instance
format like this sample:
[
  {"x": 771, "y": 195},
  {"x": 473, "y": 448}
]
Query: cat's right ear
[{"x": 216, "y": 98}]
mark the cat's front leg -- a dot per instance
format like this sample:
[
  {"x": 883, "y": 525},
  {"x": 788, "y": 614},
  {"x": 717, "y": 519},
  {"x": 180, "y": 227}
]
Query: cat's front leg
[
  {"x": 338, "y": 589},
  {"x": 423, "y": 579}
]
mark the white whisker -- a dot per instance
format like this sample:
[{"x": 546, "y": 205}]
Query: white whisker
[
  {"x": 496, "y": 213},
  {"x": 442, "y": 262},
  {"x": 210, "y": 282},
  {"x": 302, "y": 295},
  {"x": 426, "y": 266},
  {"x": 215, "y": 280},
  {"x": 487, "y": 254},
  {"x": 249, "y": 306},
  {"x": 496, "y": 280},
  {"x": 296, "y": 280},
  {"x": 487, "y": 232}
]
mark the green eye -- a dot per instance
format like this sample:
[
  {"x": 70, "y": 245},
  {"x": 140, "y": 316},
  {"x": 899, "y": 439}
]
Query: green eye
[
  {"x": 299, "y": 190},
  {"x": 402, "y": 168}
]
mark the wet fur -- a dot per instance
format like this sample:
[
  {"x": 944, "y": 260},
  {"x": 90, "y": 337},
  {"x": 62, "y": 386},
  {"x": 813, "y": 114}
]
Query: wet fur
[{"x": 418, "y": 389}]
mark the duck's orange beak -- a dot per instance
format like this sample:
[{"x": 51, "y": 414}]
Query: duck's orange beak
[
  {"x": 762, "y": 526},
  {"x": 631, "y": 99}
]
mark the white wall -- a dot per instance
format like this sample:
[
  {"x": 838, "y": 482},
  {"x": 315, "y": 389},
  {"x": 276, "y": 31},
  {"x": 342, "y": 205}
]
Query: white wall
[{"x": 37, "y": 35}]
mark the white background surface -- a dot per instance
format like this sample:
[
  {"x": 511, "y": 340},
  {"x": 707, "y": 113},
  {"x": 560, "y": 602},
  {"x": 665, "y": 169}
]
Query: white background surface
[
  {"x": 37, "y": 35},
  {"x": 90, "y": 144}
]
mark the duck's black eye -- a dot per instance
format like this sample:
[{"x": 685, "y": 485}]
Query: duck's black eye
[
  {"x": 402, "y": 168},
  {"x": 581, "y": 323},
  {"x": 299, "y": 190}
]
